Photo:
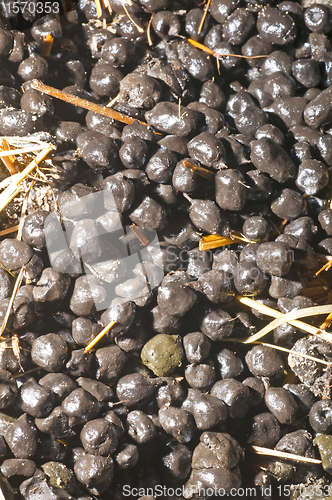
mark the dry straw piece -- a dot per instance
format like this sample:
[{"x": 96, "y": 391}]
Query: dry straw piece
[
  {"x": 47, "y": 45},
  {"x": 99, "y": 336},
  {"x": 148, "y": 31},
  {"x": 197, "y": 169},
  {"x": 13, "y": 188},
  {"x": 293, "y": 315},
  {"x": 12, "y": 298},
  {"x": 259, "y": 450},
  {"x": 287, "y": 318},
  {"x": 138, "y": 27},
  {"x": 98, "y": 8},
  {"x": 212, "y": 241},
  {"x": 218, "y": 56},
  {"x": 203, "y": 17},
  {"x": 279, "y": 348},
  {"x": 10, "y": 230},
  {"x": 139, "y": 234},
  {"x": 8, "y": 158},
  {"x": 83, "y": 103}
]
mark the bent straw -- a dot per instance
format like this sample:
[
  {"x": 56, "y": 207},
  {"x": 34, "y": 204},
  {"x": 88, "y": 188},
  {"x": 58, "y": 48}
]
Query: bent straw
[{"x": 287, "y": 318}]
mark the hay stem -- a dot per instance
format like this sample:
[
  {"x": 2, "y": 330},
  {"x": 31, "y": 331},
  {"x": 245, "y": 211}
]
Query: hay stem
[
  {"x": 9, "y": 230},
  {"x": 259, "y": 450},
  {"x": 12, "y": 298},
  {"x": 9, "y": 159},
  {"x": 138, "y": 233},
  {"x": 197, "y": 169},
  {"x": 206, "y": 49},
  {"x": 83, "y": 103},
  {"x": 203, "y": 17},
  {"x": 13, "y": 189},
  {"x": 47, "y": 45},
  {"x": 98, "y": 8},
  {"x": 99, "y": 336}
]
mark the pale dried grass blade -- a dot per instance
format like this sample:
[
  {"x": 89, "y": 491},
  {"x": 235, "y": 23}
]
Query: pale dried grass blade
[
  {"x": 9, "y": 160},
  {"x": 23, "y": 211},
  {"x": 280, "y": 348},
  {"x": 10, "y": 192},
  {"x": 287, "y": 318},
  {"x": 12, "y": 298},
  {"x": 139, "y": 28},
  {"x": 293, "y": 315},
  {"x": 32, "y": 149},
  {"x": 259, "y": 450},
  {"x": 294, "y": 353},
  {"x": 16, "y": 350},
  {"x": 9, "y": 230}
]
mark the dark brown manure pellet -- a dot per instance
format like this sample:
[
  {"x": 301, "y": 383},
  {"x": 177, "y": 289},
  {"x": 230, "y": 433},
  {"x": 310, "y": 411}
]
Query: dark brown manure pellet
[
  {"x": 206, "y": 409},
  {"x": 98, "y": 437},
  {"x": 264, "y": 362},
  {"x": 234, "y": 394},
  {"x": 230, "y": 190},
  {"x": 110, "y": 361},
  {"x": 230, "y": 365},
  {"x": 35, "y": 400},
  {"x": 80, "y": 406},
  {"x": 95, "y": 472},
  {"x": 135, "y": 389},
  {"x": 140, "y": 427},
  {"x": 214, "y": 463},
  {"x": 21, "y": 437},
  {"x": 320, "y": 416},
  {"x": 264, "y": 430},
  {"x": 177, "y": 422},
  {"x": 60, "y": 384},
  {"x": 165, "y": 118},
  {"x": 281, "y": 404}
]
